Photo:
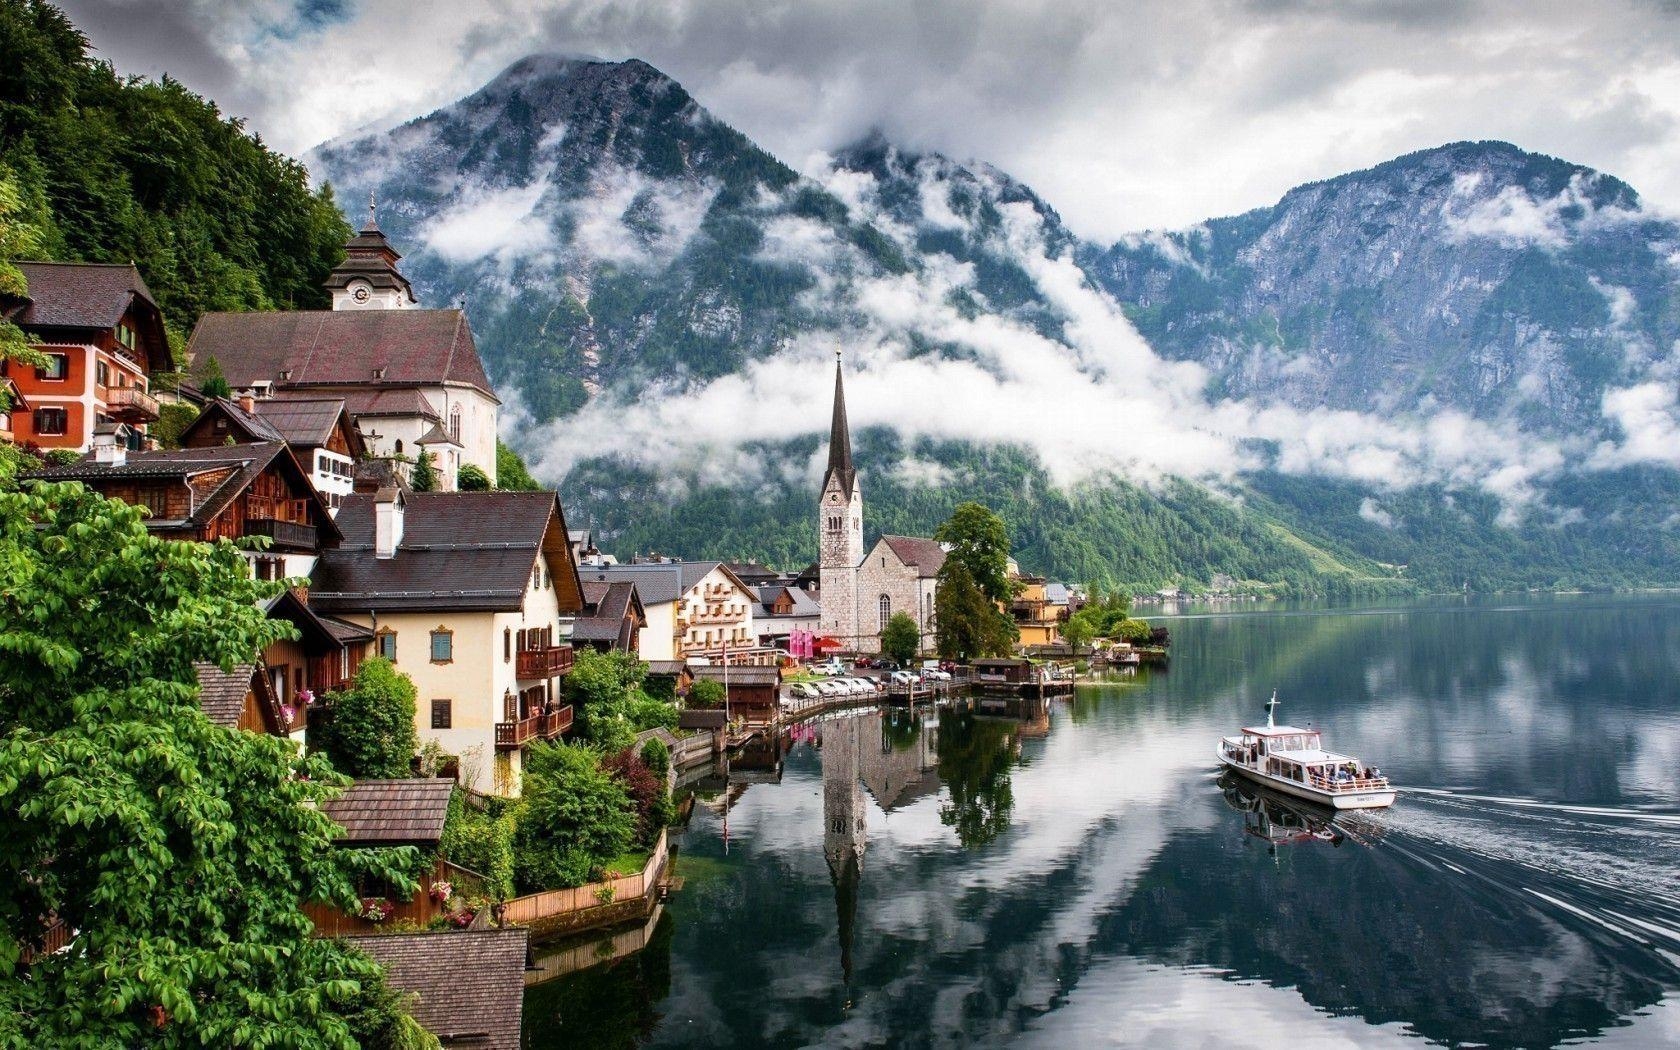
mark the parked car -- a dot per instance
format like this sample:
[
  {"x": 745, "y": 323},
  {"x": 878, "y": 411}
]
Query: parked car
[
  {"x": 832, "y": 666},
  {"x": 831, "y": 688},
  {"x": 905, "y": 678},
  {"x": 859, "y": 687},
  {"x": 803, "y": 691}
]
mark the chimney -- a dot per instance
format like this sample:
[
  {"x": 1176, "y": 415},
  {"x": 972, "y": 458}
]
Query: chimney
[
  {"x": 387, "y": 521},
  {"x": 248, "y": 404},
  {"x": 114, "y": 453}
]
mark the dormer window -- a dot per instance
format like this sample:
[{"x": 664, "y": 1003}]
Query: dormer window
[
  {"x": 285, "y": 375},
  {"x": 125, "y": 336},
  {"x": 379, "y": 373}
]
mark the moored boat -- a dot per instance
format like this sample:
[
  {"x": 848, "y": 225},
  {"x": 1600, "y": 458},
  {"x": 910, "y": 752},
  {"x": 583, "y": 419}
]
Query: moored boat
[{"x": 1293, "y": 761}]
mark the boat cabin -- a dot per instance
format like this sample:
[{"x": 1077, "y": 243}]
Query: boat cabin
[{"x": 1290, "y": 753}]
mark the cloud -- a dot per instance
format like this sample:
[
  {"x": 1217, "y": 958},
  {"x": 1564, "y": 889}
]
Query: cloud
[
  {"x": 1096, "y": 402},
  {"x": 490, "y": 222},
  {"x": 1371, "y": 512},
  {"x": 1126, "y": 116},
  {"x": 1515, "y": 218},
  {"x": 1649, "y": 419}
]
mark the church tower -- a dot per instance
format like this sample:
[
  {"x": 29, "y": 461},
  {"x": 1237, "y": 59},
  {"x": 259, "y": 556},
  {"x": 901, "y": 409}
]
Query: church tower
[
  {"x": 840, "y": 528},
  {"x": 368, "y": 278},
  {"x": 845, "y": 825}
]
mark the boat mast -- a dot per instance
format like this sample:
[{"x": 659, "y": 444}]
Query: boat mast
[{"x": 1270, "y": 704}]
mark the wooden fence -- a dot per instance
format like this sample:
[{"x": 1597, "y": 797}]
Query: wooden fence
[{"x": 550, "y": 905}]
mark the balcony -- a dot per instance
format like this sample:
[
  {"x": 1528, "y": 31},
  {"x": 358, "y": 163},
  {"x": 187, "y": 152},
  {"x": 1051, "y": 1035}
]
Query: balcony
[
  {"x": 544, "y": 663},
  {"x": 287, "y": 535},
  {"x": 557, "y": 722},
  {"x": 129, "y": 404},
  {"x": 511, "y": 735}
]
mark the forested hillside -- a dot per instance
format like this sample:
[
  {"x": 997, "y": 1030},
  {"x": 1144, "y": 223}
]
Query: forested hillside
[{"x": 115, "y": 169}]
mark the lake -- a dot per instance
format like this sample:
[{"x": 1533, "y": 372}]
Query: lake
[{"x": 1082, "y": 875}]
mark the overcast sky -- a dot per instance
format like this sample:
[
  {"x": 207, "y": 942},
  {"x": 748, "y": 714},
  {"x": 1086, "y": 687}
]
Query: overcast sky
[{"x": 1123, "y": 115}]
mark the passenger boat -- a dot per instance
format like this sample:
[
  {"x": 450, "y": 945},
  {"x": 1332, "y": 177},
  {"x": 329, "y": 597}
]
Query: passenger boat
[{"x": 1294, "y": 762}]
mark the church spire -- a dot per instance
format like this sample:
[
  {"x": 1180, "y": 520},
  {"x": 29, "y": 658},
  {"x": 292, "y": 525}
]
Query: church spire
[{"x": 840, "y": 435}]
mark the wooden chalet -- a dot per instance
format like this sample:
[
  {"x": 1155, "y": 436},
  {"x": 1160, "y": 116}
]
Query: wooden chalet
[
  {"x": 319, "y": 431},
  {"x": 103, "y": 337},
  {"x": 222, "y": 492},
  {"x": 754, "y": 692},
  {"x": 612, "y": 617},
  {"x": 381, "y": 813}
]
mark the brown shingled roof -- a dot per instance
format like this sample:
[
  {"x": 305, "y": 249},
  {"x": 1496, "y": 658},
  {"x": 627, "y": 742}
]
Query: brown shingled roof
[
  {"x": 78, "y": 295},
  {"x": 469, "y": 984},
  {"x": 459, "y": 550},
  {"x": 392, "y": 812},
  {"x": 395, "y": 347},
  {"x": 925, "y": 554},
  {"x": 221, "y": 693}
]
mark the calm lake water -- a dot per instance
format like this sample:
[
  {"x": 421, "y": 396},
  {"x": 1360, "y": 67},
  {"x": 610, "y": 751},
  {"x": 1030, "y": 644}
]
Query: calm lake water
[{"x": 1083, "y": 877}]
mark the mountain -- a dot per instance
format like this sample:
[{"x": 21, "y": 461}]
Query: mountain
[
  {"x": 660, "y": 300},
  {"x": 1509, "y": 285}
]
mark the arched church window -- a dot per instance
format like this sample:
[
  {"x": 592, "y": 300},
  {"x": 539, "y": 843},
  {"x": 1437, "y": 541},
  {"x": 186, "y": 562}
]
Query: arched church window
[
  {"x": 455, "y": 423},
  {"x": 399, "y": 446},
  {"x": 886, "y": 611}
]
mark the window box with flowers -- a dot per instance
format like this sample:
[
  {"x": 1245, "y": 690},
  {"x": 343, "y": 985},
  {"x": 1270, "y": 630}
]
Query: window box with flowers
[{"x": 377, "y": 909}]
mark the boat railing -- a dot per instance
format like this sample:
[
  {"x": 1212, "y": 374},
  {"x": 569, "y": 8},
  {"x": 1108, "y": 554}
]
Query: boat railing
[{"x": 1353, "y": 784}]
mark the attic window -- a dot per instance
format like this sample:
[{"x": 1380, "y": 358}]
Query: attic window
[
  {"x": 379, "y": 373},
  {"x": 285, "y": 375}
]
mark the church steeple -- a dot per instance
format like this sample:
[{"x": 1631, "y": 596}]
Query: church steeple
[
  {"x": 840, "y": 436},
  {"x": 368, "y": 278}
]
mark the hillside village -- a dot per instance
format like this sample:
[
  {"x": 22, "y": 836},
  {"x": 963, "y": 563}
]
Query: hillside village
[{"x": 351, "y": 456}]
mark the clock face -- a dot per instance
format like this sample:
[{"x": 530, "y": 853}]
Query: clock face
[{"x": 360, "y": 294}]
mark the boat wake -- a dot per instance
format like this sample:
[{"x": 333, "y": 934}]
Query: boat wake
[{"x": 1608, "y": 871}]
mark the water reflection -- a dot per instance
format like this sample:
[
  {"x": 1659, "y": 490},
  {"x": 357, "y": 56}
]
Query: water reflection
[{"x": 1082, "y": 874}]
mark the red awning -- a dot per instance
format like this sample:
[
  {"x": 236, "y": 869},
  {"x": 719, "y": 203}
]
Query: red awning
[{"x": 825, "y": 644}]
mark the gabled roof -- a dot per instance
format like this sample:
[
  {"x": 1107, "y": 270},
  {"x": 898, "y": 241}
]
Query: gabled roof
[
  {"x": 221, "y": 694},
  {"x": 925, "y": 554},
  {"x": 803, "y": 603},
  {"x": 247, "y": 463},
  {"x": 667, "y": 667},
  {"x": 469, "y": 985},
  {"x": 606, "y": 606},
  {"x": 365, "y": 347},
  {"x": 753, "y": 572},
  {"x": 1056, "y": 593},
  {"x": 248, "y": 425},
  {"x": 392, "y": 812},
  {"x": 738, "y": 675},
  {"x": 78, "y": 295},
  {"x": 660, "y": 582},
  {"x": 381, "y": 401},
  {"x": 306, "y": 422},
  {"x": 463, "y": 551}
]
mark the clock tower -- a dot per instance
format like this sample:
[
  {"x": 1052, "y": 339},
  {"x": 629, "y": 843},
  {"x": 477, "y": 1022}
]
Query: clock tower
[
  {"x": 368, "y": 278},
  {"x": 840, "y": 528}
]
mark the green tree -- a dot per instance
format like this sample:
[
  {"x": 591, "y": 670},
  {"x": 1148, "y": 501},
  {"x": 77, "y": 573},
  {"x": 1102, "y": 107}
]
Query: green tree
[
  {"x": 472, "y": 479},
  {"x": 19, "y": 239},
  {"x": 901, "y": 639},
  {"x": 706, "y": 694},
  {"x": 967, "y": 623},
  {"x": 1079, "y": 629},
  {"x": 574, "y": 817},
  {"x": 215, "y": 383},
  {"x": 180, "y": 852},
  {"x": 978, "y": 539},
  {"x": 424, "y": 476},
  {"x": 511, "y": 474},
  {"x": 173, "y": 419},
  {"x": 369, "y": 732}
]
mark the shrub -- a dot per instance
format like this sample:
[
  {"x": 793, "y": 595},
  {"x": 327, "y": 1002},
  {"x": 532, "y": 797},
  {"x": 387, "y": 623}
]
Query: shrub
[
  {"x": 575, "y": 816},
  {"x": 482, "y": 842},
  {"x": 471, "y": 478},
  {"x": 646, "y": 790},
  {"x": 657, "y": 756},
  {"x": 370, "y": 728},
  {"x": 706, "y": 693},
  {"x": 901, "y": 639}
]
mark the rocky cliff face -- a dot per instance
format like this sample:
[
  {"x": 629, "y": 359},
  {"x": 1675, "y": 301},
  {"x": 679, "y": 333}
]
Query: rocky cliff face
[{"x": 1516, "y": 287}]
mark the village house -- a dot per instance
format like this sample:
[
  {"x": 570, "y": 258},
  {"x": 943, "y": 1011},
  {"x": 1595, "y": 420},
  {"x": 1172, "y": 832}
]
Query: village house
[
  {"x": 1037, "y": 617},
  {"x": 783, "y": 609},
  {"x": 612, "y": 617},
  {"x": 103, "y": 337},
  {"x": 693, "y": 608},
  {"x": 319, "y": 432},
  {"x": 753, "y": 692},
  {"x": 377, "y": 814},
  {"x": 410, "y": 378},
  {"x": 859, "y": 592},
  {"x": 472, "y": 595},
  {"x": 221, "y": 492}
]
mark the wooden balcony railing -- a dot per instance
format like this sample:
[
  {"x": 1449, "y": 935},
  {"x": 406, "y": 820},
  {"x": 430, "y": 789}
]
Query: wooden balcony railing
[
  {"x": 557, "y": 722},
  {"x": 130, "y": 404},
  {"x": 511, "y": 735},
  {"x": 544, "y": 663},
  {"x": 285, "y": 534}
]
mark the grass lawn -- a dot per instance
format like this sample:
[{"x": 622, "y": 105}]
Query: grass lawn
[{"x": 628, "y": 864}]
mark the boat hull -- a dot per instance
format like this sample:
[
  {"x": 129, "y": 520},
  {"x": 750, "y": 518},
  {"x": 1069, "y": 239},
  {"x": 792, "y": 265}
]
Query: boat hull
[{"x": 1370, "y": 799}]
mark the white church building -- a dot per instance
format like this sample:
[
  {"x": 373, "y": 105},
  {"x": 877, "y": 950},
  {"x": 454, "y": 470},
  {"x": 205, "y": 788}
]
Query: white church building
[{"x": 860, "y": 592}]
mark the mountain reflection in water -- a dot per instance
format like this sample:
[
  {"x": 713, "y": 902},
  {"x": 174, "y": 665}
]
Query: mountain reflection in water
[{"x": 993, "y": 883}]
